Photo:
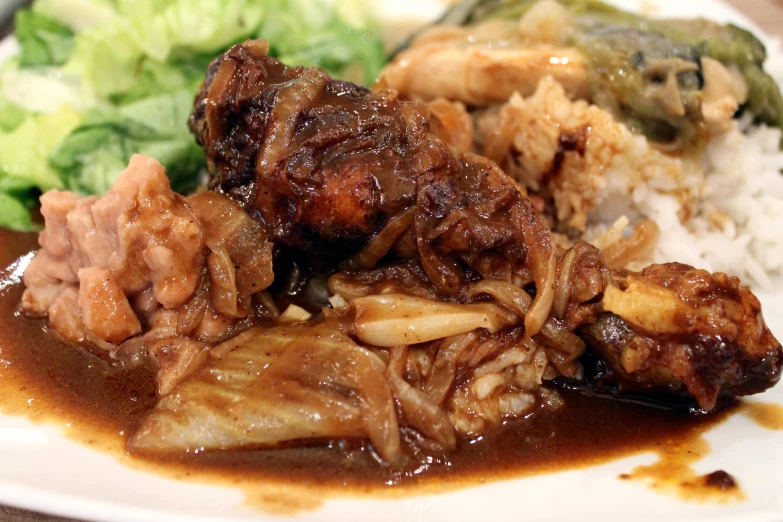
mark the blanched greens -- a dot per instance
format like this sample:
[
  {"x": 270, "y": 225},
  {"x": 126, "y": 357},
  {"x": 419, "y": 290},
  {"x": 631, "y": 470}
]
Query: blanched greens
[{"x": 98, "y": 80}]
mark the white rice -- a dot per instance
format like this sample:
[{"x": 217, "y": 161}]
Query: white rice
[{"x": 741, "y": 181}]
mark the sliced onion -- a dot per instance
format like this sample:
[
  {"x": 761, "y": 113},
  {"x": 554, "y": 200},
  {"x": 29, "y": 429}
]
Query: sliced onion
[{"x": 398, "y": 319}]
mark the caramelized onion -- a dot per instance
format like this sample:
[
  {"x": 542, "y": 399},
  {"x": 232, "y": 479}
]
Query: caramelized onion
[
  {"x": 444, "y": 367},
  {"x": 418, "y": 408},
  {"x": 637, "y": 247},
  {"x": 381, "y": 244},
  {"x": 558, "y": 336}
]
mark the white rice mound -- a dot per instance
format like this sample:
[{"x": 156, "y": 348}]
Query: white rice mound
[{"x": 738, "y": 224}]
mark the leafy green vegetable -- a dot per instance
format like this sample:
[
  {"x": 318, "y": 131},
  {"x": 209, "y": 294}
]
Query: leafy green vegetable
[
  {"x": 44, "y": 40},
  {"x": 14, "y": 214},
  {"x": 93, "y": 155},
  {"x": 142, "y": 40},
  {"x": 309, "y": 33},
  {"x": 78, "y": 15},
  {"x": 42, "y": 89},
  {"x": 11, "y": 114},
  {"x": 24, "y": 152},
  {"x": 24, "y": 163},
  {"x": 109, "y": 55}
]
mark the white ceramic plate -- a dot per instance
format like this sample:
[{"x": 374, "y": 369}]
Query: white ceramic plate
[{"x": 42, "y": 470}]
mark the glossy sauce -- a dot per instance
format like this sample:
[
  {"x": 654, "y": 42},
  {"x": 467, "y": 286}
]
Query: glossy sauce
[{"x": 100, "y": 403}]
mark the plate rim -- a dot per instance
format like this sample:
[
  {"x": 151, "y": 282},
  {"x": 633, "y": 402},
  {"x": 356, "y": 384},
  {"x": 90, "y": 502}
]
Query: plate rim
[{"x": 84, "y": 507}]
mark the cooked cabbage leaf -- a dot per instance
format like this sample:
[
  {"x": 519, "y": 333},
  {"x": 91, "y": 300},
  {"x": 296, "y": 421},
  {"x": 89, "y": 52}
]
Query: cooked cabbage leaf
[{"x": 252, "y": 396}]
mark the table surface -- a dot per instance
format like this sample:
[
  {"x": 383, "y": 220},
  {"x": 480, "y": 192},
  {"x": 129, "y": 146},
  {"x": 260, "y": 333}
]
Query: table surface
[{"x": 768, "y": 14}]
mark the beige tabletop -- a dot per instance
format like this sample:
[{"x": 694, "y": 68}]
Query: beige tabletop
[{"x": 768, "y": 14}]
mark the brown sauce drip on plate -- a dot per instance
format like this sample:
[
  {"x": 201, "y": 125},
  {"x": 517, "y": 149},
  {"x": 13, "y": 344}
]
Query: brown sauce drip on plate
[
  {"x": 769, "y": 416},
  {"x": 101, "y": 403},
  {"x": 673, "y": 473}
]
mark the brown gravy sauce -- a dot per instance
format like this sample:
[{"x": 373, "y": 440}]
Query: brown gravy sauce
[
  {"x": 769, "y": 416},
  {"x": 100, "y": 404},
  {"x": 673, "y": 473}
]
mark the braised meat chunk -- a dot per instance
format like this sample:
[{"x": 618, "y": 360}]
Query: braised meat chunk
[
  {"x": 687, "y": 331},
  {"x": 145, "y": 269},
  {"x": 327, "y": 164}
]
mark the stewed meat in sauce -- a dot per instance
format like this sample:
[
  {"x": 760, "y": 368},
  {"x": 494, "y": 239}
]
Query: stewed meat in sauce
[{"x": 352, "y": 274}]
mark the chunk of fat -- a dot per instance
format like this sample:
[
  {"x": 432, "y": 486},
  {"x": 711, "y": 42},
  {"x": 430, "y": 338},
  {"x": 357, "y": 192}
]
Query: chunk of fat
[
  {"x": 295, "y": 314},
  {"x": 652, "y": 308}
]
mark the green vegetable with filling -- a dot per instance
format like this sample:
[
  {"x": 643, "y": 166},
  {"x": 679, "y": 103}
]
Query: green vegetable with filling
[{"x": 631, "y": 57}]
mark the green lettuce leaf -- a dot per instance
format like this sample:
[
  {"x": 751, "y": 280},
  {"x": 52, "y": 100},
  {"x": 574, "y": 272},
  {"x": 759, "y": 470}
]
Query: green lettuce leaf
[
  {"x": 160, "y": 27},
  {"x": 183, "y": 71},
  {"x": 313, "y": 34},
  {"x": 42, "y": 89},
  {"x": 93, "y": 155},
  {"x": 24, "y": 167},
  {"x": 78, "y": 15},
  {"x": 100, "y": 80},
  {"x": 11, "y": 114},
  {"x": 141, "y": 40},
  {"x": 109, "y": 56},
  {"x": 14, "y": 214},
  {"x": 43, "y": 40},
  {"x": 24, "y": 151}
]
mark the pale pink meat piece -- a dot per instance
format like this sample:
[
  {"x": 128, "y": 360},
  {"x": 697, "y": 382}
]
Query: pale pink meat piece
[
  {"x": 121, "y": 272},
  {"x": 43, "y": 286},
  {"x": 145, "y": 233},
  {"x": 105, "y": 308},
  {"x": 65, "y": 315},
  {"x": 141, "y": 231}
]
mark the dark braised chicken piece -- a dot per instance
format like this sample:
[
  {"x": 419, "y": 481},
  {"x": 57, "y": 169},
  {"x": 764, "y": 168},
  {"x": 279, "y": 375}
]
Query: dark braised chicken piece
[
  {"x": 330, "y": 167},
  {"x": 679, "y": 330},
  {"x": 327, "y": 164}
]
